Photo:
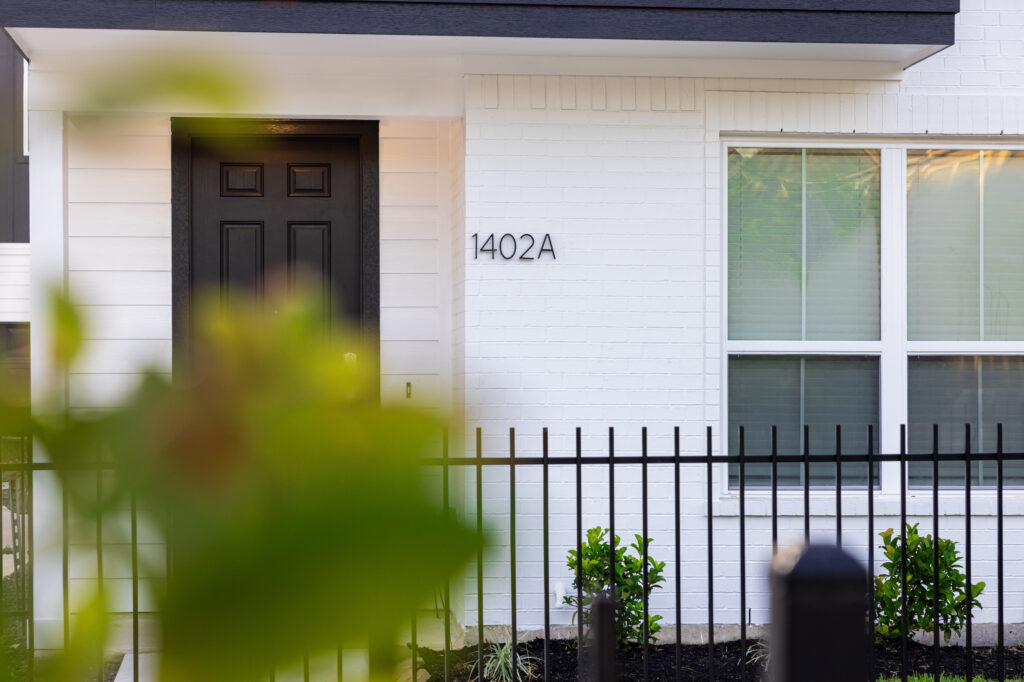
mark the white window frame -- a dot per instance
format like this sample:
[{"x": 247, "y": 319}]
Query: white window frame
[
  {"x": 24, "y": 108},
  {"x": 893, "y": 349}
]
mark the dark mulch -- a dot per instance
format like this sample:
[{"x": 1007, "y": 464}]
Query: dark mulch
[
  {"x": 952, "y": 660},
  {"x": 694, "y": 662},
  {"x": 563, "y": 662}
]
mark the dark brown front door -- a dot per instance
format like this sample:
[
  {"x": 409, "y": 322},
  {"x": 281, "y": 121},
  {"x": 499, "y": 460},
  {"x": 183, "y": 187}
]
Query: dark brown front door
[
  {"x": 270, "y": 207},
  {"x": 266, "y": 201}
]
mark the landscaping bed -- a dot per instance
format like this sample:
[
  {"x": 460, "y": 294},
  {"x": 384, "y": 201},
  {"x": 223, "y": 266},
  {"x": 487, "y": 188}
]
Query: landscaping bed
[{"x": 694, "y": 659}]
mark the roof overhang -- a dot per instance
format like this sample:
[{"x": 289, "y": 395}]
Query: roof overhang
[{"x": 876, "y": 31}]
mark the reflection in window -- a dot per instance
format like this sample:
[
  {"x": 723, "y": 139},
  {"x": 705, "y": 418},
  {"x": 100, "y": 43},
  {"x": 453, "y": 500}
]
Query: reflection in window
[
  {"x": 788, "y": 392},
  {"x": 965, "y": 251},
  {"x": 953, "y": 391},
  {"x": 804, "y": 228}
]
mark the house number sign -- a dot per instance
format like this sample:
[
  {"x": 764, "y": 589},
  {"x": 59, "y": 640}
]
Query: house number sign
[{"x": 509, "y": 245}]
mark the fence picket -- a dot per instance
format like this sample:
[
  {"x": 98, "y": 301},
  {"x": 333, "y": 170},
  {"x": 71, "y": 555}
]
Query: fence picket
[{"x": 971, "y": 458}]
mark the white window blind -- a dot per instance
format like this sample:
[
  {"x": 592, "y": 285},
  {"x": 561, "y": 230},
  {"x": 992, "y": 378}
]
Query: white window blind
[
  {"x": 1003, "y": 243},
  {"x": 804, "y": 244},
  {"x": 791, "y": 391},
  {"x": 951, "y": 391},
  {"x": 965, "y": 251}
]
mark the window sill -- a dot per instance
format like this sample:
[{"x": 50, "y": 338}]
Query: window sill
[{"x": 758, "y": 504}]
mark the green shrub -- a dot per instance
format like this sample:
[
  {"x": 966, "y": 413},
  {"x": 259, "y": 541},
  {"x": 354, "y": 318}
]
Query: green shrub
[
  {"x": 629, "y": 576},
  {"x": 953, "y": 602},
  {"x": 498, "y": 664}
]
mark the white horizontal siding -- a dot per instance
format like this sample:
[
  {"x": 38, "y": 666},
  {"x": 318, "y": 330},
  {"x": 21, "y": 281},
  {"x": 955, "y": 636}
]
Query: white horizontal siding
[
  {"x": 119, "y": 252},
  {"x": 408, "y": 189},
  {"x": 95, "y": 391},
  {"x": 120, "y": 287},
  {"x": 119, "y": 220},
  {"x": 146, "y": 254},
  {"x": 127, "y": 321},
  {"x": 106, "y": 356},
  {"x": 409, "y": 324},
  {"x": 109, "y": 185},
  {"x": 425, "y": 390},
  {"x": 115, "y": 150},
  {"x": 14, "y": 282},
  {"x": 410, "y": 222},
  {"x": 411, "y": 290},
  {"x": 410, "y": 357},
  {"x": 414, "y": 226},
  {"x": 410, "y": 256}
]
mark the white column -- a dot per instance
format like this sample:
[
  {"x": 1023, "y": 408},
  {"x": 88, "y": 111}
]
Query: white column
[
  {"x": 893, "y": 383},
  {"x": 47, "y": 230}
]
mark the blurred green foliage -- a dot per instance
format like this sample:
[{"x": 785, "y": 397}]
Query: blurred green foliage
[
  {"x": 206, "y": 82},
  {"x": 292, "y": 502}
]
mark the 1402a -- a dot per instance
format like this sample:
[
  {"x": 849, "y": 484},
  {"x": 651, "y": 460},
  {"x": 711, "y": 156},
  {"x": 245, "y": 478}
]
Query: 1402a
[{"x": 508, "y": 245}]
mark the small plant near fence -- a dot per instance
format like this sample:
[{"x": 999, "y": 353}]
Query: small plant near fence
[
  {"x": 953, "y": 602},
  {"x": 629, "y": 583},
  {"x": 498, "y": 665}
]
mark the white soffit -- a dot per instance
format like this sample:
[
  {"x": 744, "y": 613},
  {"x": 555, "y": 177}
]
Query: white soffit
[{"x": 72, "y": 50}]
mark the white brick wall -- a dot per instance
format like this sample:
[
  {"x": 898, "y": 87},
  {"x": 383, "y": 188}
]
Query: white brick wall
[
  {"x": 14, "y": 282},
  {"x": 988, "y": 56},
  {"x": 611, "y": 333},
  {"x": 625, "y": 329}
]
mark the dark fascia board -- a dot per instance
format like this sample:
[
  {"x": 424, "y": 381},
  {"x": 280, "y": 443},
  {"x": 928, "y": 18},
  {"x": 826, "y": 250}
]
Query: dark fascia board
[
  {"x": 915, "y": 22},
  {"x": 764, "y": 5}
]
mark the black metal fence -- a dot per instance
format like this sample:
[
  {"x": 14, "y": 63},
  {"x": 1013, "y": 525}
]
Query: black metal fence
[
  {"x": 17, "y": 472},
  {"x": 16, "y": 538},
  {"x": 840, "y": 460}
]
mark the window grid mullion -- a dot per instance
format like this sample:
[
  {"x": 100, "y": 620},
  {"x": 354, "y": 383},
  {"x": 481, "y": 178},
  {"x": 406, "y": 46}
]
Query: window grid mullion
[
  {"x": 892, "y": 399},
  {"x": 803, "y": 244}
]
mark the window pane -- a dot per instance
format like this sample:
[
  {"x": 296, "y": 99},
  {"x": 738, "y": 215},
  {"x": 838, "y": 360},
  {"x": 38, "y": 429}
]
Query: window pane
[
  {"x": 943, "y": 282},
  {"x": 786, "y": 392},
  {"x": 953, "y": 391},
  {"x": 765, "y": 262},
  {"x": 843, "y": 221},
  {"x": 1003, "y": 241},
  {"x": 804, "y": 244}
]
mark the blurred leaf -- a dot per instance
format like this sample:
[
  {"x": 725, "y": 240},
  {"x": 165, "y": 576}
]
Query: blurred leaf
[
  {"x": 83, "y": 654},
  {"x": 293, "y": 503},
  {"x": 208, "y": 83},
  {"x": 68, "y": 332}
]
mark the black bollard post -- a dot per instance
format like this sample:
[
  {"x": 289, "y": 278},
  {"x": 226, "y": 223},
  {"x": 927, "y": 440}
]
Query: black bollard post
[
  {"x": 602, "y": 652},
  {"x": 819, "y": 608}
]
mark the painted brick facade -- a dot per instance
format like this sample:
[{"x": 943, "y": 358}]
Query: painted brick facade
[{"x": 623, "y": 330}]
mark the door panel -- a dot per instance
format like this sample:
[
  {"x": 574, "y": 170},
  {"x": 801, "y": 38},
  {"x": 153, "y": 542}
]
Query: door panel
[
  {"x": 241, "y": 255},
  {"x": 267, "y": 208}
]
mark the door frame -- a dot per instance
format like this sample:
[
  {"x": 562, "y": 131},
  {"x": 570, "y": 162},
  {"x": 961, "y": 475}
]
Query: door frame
[{"x": 184, "y": 130}]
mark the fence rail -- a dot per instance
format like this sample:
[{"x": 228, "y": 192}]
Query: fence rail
[
  {"x": 708, "y": 459},
  {"x": 20, "y": 470}
]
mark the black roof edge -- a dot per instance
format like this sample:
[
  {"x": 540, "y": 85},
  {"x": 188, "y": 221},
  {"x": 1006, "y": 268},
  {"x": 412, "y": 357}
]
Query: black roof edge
[
  {"x": 941, "y": 6},
  {"x": 917, "y": 22}
]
